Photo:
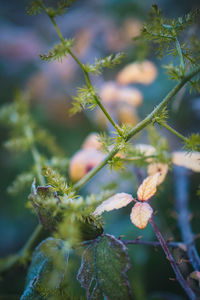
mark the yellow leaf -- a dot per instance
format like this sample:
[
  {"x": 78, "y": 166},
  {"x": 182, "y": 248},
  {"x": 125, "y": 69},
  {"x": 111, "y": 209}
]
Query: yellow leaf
[
  {"x": 115, "y": 202},
  {"x": 140, "y": 214},
  {"x": 148, "y": 187},
  {"x": 158, "y": 167}
]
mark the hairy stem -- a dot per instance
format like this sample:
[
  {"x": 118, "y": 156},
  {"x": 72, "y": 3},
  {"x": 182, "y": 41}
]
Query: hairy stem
[
  {"x": 169, "y": 128},
  {"x": 86, "y": 74},
  {"x": 172, "y": 262},
  {"x": 141, "y": 125}
]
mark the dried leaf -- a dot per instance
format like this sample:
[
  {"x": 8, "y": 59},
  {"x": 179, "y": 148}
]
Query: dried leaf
[
  {"x": 115, "y": 202},
  {"x": 158, "y": 167},
  {"x": 103, "y": 270},
  {"x": 140, "y": 214},
  {"x": 187, "y": 160},
  {"x": 148, "y": 187}
]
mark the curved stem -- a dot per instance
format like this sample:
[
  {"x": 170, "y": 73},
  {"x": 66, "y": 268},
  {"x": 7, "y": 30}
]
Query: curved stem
[
  {"x": 172, "y": 262},
  {"x": 141, "y": 125}
]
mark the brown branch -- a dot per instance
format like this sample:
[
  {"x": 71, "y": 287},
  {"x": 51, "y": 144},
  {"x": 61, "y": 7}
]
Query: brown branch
[
  {"x": 154, "y": 243},
  {"x": 172, "y": 262}
]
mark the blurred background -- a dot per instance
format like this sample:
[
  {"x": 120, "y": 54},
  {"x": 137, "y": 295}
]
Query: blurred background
[{"x": 100, "y": 28}]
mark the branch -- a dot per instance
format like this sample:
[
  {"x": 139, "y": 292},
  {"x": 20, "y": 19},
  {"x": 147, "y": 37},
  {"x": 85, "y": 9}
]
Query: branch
[
  {"x": 141, "y": 125},
  {"x": 176, "y": 133},
  {"x": 172, "y": 262},
  {"x": 183, "y": 215},
  {"x": 154, "y": 244},
  {"x": 86, "y": 74}
]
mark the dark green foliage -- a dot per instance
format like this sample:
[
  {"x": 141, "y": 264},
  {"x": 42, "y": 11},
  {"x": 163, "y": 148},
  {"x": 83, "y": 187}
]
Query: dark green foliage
[
  {"x": 103, "y": 270},
  {"x": 47, "y": 277}
]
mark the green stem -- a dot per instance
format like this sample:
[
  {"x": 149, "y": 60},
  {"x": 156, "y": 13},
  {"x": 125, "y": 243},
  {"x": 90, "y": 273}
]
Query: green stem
[
  {"x": 86, "y": 74},
  {"x": 141, "y": 125},
  {"x": 23, "y": 255},
  {"x": 169, "y": 128}
]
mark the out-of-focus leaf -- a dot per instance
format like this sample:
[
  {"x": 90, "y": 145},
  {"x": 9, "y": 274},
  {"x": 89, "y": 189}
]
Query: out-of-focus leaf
[
  {"x": 103, "y": 270},
  {"x": 46, "y": 278}
]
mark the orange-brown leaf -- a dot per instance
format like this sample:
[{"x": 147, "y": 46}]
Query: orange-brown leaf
[
  {"x": 148, "y": 187},
  {"x": 140, "y": 214}
]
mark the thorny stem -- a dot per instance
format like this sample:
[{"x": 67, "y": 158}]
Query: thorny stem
[
  {"x": 141, "y": 125},
  {"x": 179, "y": 135},
  {"x": 172, "y": 262},
  {"x": 86, "y": 74}
]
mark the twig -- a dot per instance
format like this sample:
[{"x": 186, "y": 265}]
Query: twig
[
  {"x": 172, "y": 262},
  {"x": 183, "y": 215},
  {"x": 86, "y": 74},
  {"x": 175, "y": 132},
  {"x": 154, "y": 243},
  {"x": 141, "y": 125}
]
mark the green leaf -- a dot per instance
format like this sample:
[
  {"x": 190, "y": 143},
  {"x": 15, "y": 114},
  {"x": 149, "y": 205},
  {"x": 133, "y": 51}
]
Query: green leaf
[
  {"x": 46, "y": 278},
  {"x": 105, "y": 62},
  {"x": 84, "y": 99},
  {"x": 59, "y": 51},
  {"x": 103, "y": 270},
  {"x": 193, "y": 142}
]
